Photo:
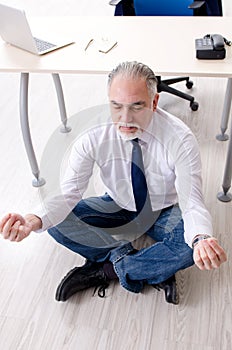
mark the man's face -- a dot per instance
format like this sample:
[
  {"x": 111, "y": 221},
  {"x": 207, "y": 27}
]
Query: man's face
[{"x": 131, "y": 106}]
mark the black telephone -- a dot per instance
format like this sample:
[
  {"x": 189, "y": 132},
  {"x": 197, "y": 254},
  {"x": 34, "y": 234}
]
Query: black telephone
[{"x": 211, "y": 46}]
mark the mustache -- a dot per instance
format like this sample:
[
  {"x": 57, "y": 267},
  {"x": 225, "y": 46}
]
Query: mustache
[{"x": 128, "y": 125}]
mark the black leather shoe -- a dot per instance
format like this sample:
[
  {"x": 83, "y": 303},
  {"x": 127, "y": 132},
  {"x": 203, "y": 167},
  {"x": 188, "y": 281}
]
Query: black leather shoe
[
  {"x": 170, "y": 288},
  {"x": 80, "y": 278}
]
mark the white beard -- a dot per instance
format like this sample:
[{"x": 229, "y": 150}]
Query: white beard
[{"x": 129, "y": 136}]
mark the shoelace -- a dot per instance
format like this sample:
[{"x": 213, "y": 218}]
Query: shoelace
[
  {"x": 157, "y": 286},
  {"x": 101, "y": 290}
]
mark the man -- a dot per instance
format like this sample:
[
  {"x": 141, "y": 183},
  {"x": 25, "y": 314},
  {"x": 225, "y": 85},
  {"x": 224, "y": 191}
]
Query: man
[{"x": 166, "y": 203}]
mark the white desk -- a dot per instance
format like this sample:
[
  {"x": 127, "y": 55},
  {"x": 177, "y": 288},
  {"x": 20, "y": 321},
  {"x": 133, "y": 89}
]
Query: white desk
[{"x": 166, "y": 44}]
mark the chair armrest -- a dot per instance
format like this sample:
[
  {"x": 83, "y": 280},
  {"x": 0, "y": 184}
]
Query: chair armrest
[
  {"x": 114, "y": 2},
  {"x": 196, "y": 5}
]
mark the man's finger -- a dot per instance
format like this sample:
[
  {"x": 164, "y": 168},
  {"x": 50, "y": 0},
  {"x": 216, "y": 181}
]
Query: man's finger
[
  {"x": 218, "y": 250},
  {"x": 198, "y": 260},
  {"x": 202, "y": 256},
  {"x": 14, "y": 231},
  {"x": 18, "y": 217},
  {"x": 21, "y": 234},
  {"x": 3, "y": 221},
  {"x": 213, "y": 257},
  {"x": 205, "y": 257},
  {"x": 7, "y": 227}
]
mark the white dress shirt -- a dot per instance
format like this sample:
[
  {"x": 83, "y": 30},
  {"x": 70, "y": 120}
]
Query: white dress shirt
[{"x": 172, "y": 169}]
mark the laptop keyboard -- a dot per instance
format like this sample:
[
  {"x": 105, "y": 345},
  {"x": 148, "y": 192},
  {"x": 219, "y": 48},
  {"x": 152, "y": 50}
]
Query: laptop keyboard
[{"x": 43, "y": 45}]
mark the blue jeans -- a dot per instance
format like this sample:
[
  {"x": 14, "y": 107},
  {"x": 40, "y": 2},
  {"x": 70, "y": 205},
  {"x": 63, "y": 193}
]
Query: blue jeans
[{"x": 100, "y": 230}]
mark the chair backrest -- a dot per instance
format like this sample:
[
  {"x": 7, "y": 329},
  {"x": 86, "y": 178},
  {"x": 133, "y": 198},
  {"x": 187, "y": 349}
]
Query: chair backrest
[
  {"x": 163, "y": 7},
  {"x": 214, "y": 7},
  {"x": 176, "y": 8}
]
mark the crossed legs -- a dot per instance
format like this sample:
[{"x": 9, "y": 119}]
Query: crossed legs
[{"x": 101, "y": 231}]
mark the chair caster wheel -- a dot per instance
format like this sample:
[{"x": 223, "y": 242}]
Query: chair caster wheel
[
  {"x": 194, "y": 106},
  {"x": 189, "y": 84}
]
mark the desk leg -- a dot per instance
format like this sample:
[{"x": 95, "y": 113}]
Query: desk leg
[
  {"x": 226, "y": 112},
  {"x": 60, "y": 96},
  {"x": 26, "y": 130},
  {"x": 225, "y": 196}
]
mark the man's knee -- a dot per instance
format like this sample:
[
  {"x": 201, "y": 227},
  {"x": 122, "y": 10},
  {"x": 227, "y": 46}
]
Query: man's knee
[{"x": 93, "y": 205}]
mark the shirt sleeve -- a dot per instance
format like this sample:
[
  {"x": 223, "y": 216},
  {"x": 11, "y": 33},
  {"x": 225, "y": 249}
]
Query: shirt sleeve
[
  {"x": 56, "y": 207},
  {"x": 188, "y": 183}
]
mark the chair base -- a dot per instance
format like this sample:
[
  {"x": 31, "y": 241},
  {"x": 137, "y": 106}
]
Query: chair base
[{"x": 163, "y": 85}]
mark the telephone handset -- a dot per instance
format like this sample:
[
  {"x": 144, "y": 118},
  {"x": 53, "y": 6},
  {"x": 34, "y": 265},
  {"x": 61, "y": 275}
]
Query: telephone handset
[{"x": 211, "y": 46}]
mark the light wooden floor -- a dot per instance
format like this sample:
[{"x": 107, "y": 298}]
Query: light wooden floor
[{"x": 30, "y": 318}]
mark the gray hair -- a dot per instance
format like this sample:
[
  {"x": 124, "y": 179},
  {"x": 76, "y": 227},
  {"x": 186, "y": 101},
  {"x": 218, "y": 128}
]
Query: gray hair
[{"x": 135, "y": 70}]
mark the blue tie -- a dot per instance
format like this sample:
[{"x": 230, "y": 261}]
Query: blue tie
[{"x": 139, "y": 183}]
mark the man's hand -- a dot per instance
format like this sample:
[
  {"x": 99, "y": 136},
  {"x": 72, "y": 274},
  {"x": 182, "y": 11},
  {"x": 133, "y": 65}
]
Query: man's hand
[
  {"x": 15, "y": 227},
  {"x": 208, "y": 254}
]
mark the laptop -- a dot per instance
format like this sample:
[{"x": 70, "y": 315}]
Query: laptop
[{"x": 15, "y": 30}]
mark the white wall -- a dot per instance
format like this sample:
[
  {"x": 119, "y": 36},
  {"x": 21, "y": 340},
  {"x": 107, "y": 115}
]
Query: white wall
[
  {"x": 63, "y": 7},
  {"x": 227, "y": 7}
]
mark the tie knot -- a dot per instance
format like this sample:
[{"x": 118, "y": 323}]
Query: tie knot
[{"x": 135, "y": 141}]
